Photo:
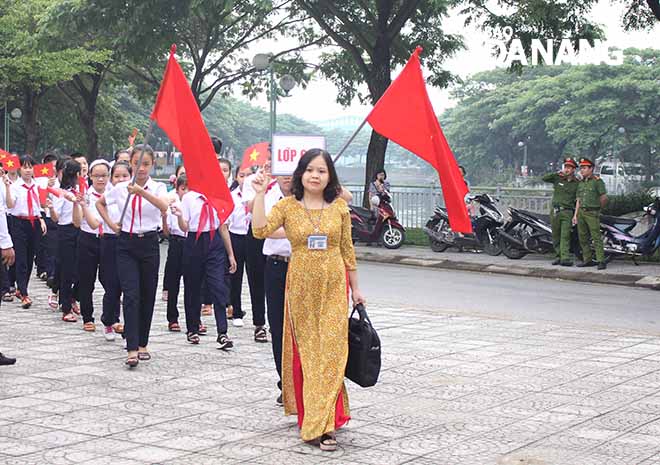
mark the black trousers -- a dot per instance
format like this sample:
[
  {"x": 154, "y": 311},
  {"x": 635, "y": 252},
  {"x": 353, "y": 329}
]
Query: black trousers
[
  {"x": 239, "y": 244},
  {"x": 275, "y": 278},
  {"x": 51, "y": 247},
  {"x": 67, "y": 250},
  {"x": 89, "y": 260},
  {"x": 173, "y": 274},
  {"x": 8, "y": 278},
  {"x": 255, "y": 263},
  {"x": 25, "y": 235},
  {"x": 204, "y": 257},
  {"x": 41, "y": 255},
  {"x": 109, "y": 277},
  {"x": 138, "y": 259}
]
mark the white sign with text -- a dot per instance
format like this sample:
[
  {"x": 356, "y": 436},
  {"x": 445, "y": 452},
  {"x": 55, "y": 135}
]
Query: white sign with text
[{"x": 287, "y": 149}]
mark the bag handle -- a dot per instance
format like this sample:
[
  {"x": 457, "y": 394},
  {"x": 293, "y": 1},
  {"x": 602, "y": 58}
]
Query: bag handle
[{"x": 362, "y": 313}]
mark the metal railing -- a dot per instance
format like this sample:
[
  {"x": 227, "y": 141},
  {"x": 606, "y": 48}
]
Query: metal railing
[{"x": 414, "y": 204}]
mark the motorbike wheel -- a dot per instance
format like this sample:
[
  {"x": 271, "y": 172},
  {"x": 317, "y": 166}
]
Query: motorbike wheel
[
  {"x": 510, "y": 251},
  {"x": 438, "y": 246},
  {"x": 392, "y": 237},
  {"x": 494, "y": 248}
]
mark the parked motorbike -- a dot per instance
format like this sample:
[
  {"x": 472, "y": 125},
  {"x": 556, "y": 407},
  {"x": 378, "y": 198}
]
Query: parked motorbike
[
  {"x": 485, "y": 226},
  {"x": 618, "y": 240},
  {"x": 528, "y": 232},
  {"x": 380, "y": 227}
]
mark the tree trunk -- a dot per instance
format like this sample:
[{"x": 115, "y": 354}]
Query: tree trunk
[
  {"x": 88, "y": 122},
  {"x": 30, "y": 118}
]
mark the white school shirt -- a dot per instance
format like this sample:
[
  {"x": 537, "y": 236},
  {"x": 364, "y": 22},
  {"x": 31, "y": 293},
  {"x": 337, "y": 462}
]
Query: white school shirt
[
  {"x": 173, "y": 221},
  {"x": 19, "y": 194},
  {"x": 147, "y": 219},
  {"x": 191, "y": 209},
  {"x": 64, "y": 209},
  {"x": 114, "y": 211},
  {"x": 91, "y": 196},
  {"x": 280, "y": 247},
  {"x": 239, "y": 220},
  {"x": 5, "y": 238}
]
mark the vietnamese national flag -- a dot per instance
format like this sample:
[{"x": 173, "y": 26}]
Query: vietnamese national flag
[
  {"x": 404, "y": 114},
  {"x": 256, "y": 155},
  {"x": 177, "y": 113},
  {"x": 9, "y": 162},
  {"x": 45, "y": 170}
]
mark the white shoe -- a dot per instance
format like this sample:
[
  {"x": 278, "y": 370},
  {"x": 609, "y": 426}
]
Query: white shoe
[
  {"x": 109, "y": 333},
  {"x": 238, "y": 322}
]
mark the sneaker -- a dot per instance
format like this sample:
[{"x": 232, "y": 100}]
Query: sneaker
[
  {"x": 556, "y": 262},
  {"x": 260, "y": 334},
  {"x": 4, "y": 360},
  {"x": 109, "y": 333},
  {"x": 238, "y": 322},
  {"x": 164, "y": 295},
  {"x": 225, "y": 342},
  {"x": 53, "y": 301},
  {"x": 566, "y": 263},
  {"x": 279, "y": 400}
]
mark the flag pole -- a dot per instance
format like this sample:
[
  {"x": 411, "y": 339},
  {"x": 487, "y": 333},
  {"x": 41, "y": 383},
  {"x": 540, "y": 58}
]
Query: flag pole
[
  {"x": 139, "y": 163},
  {"x": 348, "y": 142}
]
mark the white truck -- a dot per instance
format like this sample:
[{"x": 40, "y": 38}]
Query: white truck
[{"x": 620, "y": 177}]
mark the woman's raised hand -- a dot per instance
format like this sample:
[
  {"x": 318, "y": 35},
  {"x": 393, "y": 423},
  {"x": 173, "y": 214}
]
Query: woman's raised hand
[{"x": 260, "y": 182}]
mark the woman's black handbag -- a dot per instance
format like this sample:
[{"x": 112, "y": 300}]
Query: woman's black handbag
[{"x": 363, "y": 365}]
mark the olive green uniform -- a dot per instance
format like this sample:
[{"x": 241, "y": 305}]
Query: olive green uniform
[
  {"x": 588, "y": 219},
  {"x": 561, "y": 215}
]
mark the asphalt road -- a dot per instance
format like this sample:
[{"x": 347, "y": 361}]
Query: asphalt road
[{"x": 513, "y": 297}]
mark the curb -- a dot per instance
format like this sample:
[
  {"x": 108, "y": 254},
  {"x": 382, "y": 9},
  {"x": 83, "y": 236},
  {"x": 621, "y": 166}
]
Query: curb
[{"x": 619, "y": 279}]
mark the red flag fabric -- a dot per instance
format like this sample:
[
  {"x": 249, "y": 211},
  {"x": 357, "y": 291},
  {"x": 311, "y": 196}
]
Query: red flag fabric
[
  {"x": 43, "y": 196},
  {"x": 9, "y": 162},
  {"x": 256, "y": 155},
  {"x": 404, "y": 114},
  {"x": 177, "y": 113},
  {"x": 44, "y": 170}
]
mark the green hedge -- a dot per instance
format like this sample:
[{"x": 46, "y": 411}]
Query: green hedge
[{"x": 618, "y": 205}]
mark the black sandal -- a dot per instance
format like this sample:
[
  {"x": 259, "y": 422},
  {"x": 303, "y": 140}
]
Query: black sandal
[
  {"x": 192, "y": 338},
  {"x": 328, "y": 443},
  {"x": 144, "y": 356}
]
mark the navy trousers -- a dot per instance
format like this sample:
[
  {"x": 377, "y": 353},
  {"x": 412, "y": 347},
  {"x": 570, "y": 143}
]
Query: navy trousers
[
  {"x": 173, "y": 274},
  {"x": 205, "y": 257},
  {"x": 67, "y": 250},
  {"x": 275, "y": 279},
  {"x": 109, "y": 277},
  {"x": 239, "y": 244},
  {"x": 89, "y": 259},
  {"x": 255, "y": 263},
  {"x": 25, "y": 235},
  {"x": 51, "y": 247},
  {"x": 138, "y": 259}
]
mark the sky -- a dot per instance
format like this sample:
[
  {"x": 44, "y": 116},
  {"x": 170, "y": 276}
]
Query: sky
[{"x": 317, "y": 101}]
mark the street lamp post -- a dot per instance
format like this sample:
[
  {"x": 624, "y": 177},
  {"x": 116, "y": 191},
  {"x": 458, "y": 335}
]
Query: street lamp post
[
  {"x": 621, "y": 130},
  {"x": 523, "y": 168},
  {"x": 13, "y": 115},
  {"x": 261, "y": 62}
]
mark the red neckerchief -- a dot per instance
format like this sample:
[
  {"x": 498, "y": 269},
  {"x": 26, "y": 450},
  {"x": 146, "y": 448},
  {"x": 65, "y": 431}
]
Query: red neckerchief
[
  {"x": 97, "y": 195},
  {"x": 82, "y": 185},
  {"x": 31, "y": 196},
  {"x": 206, "y": 215},
  {"x": 139, "y": 206}
]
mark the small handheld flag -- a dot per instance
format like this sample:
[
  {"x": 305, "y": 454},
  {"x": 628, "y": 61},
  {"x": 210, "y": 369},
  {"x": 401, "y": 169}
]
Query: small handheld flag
[{"x": 45, "y": 170}]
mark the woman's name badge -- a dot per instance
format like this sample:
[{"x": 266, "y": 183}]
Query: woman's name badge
[{"x": 317, "y": 242}]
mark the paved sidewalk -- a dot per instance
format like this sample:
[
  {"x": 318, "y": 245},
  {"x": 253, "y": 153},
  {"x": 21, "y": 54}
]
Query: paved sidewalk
[
  {"x": 621, "y": 271},
  {"x": 454, "y": 390}
]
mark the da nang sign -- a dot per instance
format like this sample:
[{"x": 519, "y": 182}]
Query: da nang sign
[{"x": 286, "y": 151}]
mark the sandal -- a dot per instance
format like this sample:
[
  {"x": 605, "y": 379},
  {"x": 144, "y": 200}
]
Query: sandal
[
  {"x": 89, "y": 326},
  {"x": 75, "y": 308},
  {"x": 328, "y": 443},
  {"x": 202, "y": 329},
  {"x": 144, "y": 356},
  {"x": 192, "y": 338},
  {"x": 7, "y": 297},
  {"x": 132, "y": 361},
  {"x": 26, "y": 302},
  {"x": 118, "y": 328},
  {"x": 69, "y": 318},
  {"x": 53, "y": 301},
  {"x": 174, "y": 327}
]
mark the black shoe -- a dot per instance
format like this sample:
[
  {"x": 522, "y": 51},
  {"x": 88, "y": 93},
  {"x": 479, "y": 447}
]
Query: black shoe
[
  {"x": 602, "y": 266},
  {"x": 260, "y": 334},
  {"x": 566, "y": 263},
  {"x": 225, "y": 342},
  {"x": 4, "y": 360},
  {"x": 556, "y": 262},
  {"x": 279, "y": 400},
  {"x": 585, "y": 264}
]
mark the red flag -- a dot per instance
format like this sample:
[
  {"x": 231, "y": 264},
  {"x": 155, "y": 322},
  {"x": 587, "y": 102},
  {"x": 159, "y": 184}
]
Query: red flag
[
  {"x": 177, "y": 114},
  {"x": 256, "y": 155},
  {"x": 9, "y": 162},
  {"x": 44, "y": 170},
  {"x": 404, "y": 114},
  {"x": 82, "y": 184},
  {"x": 43, "y": 196}
]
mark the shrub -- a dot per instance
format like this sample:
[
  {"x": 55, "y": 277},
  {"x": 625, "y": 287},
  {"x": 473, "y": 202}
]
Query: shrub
[{"x": 618, "y": 205}]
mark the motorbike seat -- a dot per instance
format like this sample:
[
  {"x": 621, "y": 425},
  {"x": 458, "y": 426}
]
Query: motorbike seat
[
  {"x": 625, "y": 223},
  {"x": 362, "y": 212},
  {"x": 540, "y": 216}
]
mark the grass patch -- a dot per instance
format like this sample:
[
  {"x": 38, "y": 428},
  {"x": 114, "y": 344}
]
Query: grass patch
[{"x": 416, "y": 236}]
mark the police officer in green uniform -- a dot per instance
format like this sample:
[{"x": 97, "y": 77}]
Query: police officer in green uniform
[
  {"x": 591, "y": 197},
  {"x": 563, "y": 209}
]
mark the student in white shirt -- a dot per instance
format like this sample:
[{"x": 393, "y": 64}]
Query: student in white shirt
[
  {"x": 138, "y": 251},
  {"x": 8, "y": 288},
  {"x": 44, "y": 260},
  {"x": 25, "y": 225},
  {"x": 8, "y": 257},
  {"x": 174, "y": 264}
]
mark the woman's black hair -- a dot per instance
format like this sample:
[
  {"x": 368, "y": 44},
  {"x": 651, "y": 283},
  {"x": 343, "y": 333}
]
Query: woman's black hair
[
  {"x": 27, "y": 160},
  {"x": 462, "y": 168},
  {"x": 121, "y": 164},
  {"x": 50, "y": 157},
  {"x": 331, "y": 190},
  {"x": 224, "y": 160},
  {"x": 148, "y": 150},
  {"x": 217, "y": 145},
  {"x": 378, "y": 172},
  {"x": 178, "y": 169},
  {"x": 70, "y": 174},
  {"x": 75, "y": 155},
  {"x": 181, "y": 181},
  {"x": 116, "y": 157},
  {"x": 59, "y": 166}
]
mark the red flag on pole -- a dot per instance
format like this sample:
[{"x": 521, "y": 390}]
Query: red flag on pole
[
  {"x": 256, "y": 155},
  {"x": 404, "y": 114},
  {"x": 177, "y": 113}
]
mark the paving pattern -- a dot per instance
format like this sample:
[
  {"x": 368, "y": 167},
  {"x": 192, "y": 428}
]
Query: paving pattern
[{"x": 454, "y": 390}]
